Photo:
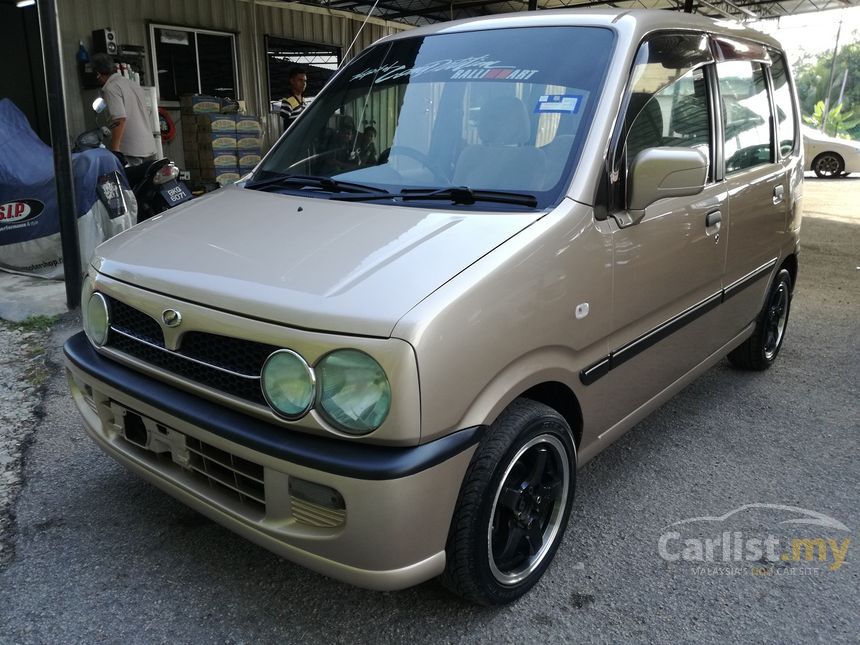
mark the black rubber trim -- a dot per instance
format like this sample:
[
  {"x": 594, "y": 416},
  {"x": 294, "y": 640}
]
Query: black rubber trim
[
  {"x": 593, "y": 372},
  {"x": 635, "y": 347},
  {"x": 748, "y": 280},
  {"x": 338, "y": 457},
  {"x": 657, "y": 334}
]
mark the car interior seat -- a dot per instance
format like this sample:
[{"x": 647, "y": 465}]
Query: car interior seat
[{"x": 506, "y": 157}]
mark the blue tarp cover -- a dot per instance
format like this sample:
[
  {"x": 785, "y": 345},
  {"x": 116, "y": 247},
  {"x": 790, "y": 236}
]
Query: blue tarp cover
[{"x": 27, "y": 175}]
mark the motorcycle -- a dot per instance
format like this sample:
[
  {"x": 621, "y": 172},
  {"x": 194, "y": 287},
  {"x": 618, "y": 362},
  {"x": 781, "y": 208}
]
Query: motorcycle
[{"x": 156, "y": 185}]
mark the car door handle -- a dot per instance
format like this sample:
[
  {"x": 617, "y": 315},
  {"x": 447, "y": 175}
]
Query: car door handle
[
  {"x": 713, "y": 219},
  {"x": 778, "y": 192}
]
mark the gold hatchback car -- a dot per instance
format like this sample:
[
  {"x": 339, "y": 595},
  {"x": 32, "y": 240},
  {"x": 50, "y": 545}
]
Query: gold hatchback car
[{"x": 483, "y": 253}]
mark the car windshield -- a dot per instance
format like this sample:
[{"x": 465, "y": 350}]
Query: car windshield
[{"x": 498, "y": 113}]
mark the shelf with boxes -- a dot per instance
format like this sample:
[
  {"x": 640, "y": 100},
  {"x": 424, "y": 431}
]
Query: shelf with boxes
[{"x": 218, "y": 147}]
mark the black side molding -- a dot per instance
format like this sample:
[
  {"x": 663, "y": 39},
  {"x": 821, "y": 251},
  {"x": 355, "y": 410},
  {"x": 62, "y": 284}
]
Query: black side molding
[
  {"x": 635, "y": 347},
  {"x": 339, "y": 457},
  {"x": 657, "y": 334},
  {"x": 750, "y": 278},
  {"x": 593, "y": 372}
]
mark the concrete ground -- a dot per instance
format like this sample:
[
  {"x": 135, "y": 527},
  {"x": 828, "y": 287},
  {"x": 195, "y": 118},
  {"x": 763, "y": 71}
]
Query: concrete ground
[
  {"x": 97, "y": 555},
  {"x": 24, "y": 297}
]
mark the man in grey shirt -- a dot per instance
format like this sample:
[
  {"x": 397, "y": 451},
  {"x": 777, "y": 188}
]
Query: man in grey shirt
[{"x": 130, "y": 118}]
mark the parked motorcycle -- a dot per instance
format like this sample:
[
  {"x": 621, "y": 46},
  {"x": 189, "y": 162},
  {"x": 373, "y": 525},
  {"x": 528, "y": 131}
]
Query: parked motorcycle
[{"x": 156, "y": 185}]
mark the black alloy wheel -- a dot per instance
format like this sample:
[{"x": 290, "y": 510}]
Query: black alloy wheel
[
  {"x": 528, "y": 508},
  {"x": 514, "y": 505},
  {"x": 759, "y": 351}
]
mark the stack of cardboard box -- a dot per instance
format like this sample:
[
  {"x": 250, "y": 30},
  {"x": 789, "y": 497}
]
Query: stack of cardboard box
[
  {"x": 218, "y": 147},
  {"x": 248, "y": 142}
]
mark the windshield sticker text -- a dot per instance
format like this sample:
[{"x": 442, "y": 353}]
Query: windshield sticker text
[{"x": 476, "y": 67}]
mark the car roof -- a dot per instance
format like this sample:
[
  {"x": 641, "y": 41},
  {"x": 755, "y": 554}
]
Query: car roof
[{"x": 641, "y": 22}]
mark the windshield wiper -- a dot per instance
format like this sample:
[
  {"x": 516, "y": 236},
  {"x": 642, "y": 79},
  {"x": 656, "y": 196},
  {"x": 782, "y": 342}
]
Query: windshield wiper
[
  {"x": 311, "y": 181},
  {"x": 454, "y": 194}
]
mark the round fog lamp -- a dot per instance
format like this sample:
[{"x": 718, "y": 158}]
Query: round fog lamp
[
  {"x": 288, "y": 384},
  {"x": 97, "y": 319}
]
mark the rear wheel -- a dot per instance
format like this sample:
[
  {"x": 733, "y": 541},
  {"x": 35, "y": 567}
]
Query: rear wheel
[
  {"x": 513, "y": 506},
  {"x": 828, "y": 165},
  {"x": 759, "y": 351}
]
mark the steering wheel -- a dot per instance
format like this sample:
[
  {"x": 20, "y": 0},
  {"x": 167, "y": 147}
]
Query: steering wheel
[{"x": 417, "y": 155}]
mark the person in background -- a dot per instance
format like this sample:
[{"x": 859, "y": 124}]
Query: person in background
[
  {"x": 293, "y": 105},
  {"x": 131, "y": 119},
  {"x": 344, "y": 153},
  {"x": 366, "y": 146}
]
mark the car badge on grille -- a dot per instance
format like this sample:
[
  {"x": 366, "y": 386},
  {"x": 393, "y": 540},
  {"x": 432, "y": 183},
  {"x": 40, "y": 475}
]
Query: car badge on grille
[{"x": 171, "y": 318}]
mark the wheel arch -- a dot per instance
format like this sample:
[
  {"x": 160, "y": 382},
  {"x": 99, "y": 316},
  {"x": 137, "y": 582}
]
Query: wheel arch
[
  {"x": 790, "y": 265},
  {"x": 563, "y": 400}
]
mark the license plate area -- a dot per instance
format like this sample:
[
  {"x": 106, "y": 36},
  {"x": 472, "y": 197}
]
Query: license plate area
[
  {"x": 152, "y": 436},
  {"x": 219, "y": 476},
  {"x": 174, "y": 193}
]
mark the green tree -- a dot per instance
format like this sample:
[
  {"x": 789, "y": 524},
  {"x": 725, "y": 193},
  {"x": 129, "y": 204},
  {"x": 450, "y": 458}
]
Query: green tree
[
  {"x": 812, "y": 74},
  {"x": 839, "y": 123}
]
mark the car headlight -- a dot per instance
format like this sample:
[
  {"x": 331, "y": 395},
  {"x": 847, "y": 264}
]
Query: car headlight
[
  {"x": 96, "y": 316},
  {"x": 288, "y": 384},
  {"x": 355, "y": 395}
]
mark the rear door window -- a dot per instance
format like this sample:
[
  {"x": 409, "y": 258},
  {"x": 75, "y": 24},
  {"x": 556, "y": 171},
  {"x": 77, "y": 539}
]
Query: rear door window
[
  {"x": 786, "y": 126},
  {"x": 746, "y": 115}
]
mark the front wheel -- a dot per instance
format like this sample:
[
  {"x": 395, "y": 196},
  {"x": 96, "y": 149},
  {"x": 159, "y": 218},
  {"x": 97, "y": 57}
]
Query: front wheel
[
  {"x": 513, "y": 507},
  {"x": 759, "y": 351}
]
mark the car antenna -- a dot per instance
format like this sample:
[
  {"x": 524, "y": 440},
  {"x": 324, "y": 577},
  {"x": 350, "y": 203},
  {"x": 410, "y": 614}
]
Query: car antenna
[{"x": 360, "y": 29}]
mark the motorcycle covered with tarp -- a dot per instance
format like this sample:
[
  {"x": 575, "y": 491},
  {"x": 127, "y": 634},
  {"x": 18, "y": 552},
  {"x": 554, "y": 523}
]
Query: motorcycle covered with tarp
[{"x": 29, "y": 217}]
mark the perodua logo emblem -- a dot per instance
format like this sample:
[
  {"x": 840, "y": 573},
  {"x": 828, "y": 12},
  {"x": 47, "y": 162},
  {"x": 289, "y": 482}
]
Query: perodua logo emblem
[{"x": 171, "y": 318}]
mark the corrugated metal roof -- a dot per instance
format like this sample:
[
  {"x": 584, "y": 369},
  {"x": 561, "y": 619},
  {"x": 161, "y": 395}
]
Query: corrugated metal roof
[{"x": 420, "y": 12}]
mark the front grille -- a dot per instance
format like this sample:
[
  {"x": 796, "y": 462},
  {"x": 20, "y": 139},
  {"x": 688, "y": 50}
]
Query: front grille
[
  {"x": 129, "y": 320},
  {"x": 230, "y": 365},
  {"x": 223, "y": 470},
  {"x": 234, "y": 354},
  {"x": 173, "y": 362}
]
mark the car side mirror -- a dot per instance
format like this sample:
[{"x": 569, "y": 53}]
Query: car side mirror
[{"x": 658, "y": 173}]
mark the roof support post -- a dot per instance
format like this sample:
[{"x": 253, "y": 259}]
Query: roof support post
[
  {"x": 688, "y": 6},
  {"x": 63, "y": 175}
]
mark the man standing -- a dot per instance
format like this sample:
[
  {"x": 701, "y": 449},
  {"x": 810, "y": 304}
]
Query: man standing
[
  {"x": 131, "y": 129},
  {"x": 293, "y": 105}
]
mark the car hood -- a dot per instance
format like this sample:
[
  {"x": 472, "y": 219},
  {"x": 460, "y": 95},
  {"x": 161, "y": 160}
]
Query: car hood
[{"x": 353, "y": 268}]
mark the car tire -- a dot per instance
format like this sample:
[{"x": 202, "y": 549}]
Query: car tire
[
  {"x": 513, "y": 507},
  {"x": 828, "y": 165},
  {"x": 760, "y": 350}
]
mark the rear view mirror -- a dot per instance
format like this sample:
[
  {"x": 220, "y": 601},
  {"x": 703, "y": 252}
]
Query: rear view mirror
[
  {"x": 99, "y": 105},
  {"x": 658, "y": 173}
]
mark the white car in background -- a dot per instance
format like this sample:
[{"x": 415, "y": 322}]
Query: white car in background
[{"x": 828, "y": 156}]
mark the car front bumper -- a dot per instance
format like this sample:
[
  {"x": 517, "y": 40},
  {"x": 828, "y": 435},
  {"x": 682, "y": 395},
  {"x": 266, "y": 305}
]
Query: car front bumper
[{"x": 388, "y": 530}]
